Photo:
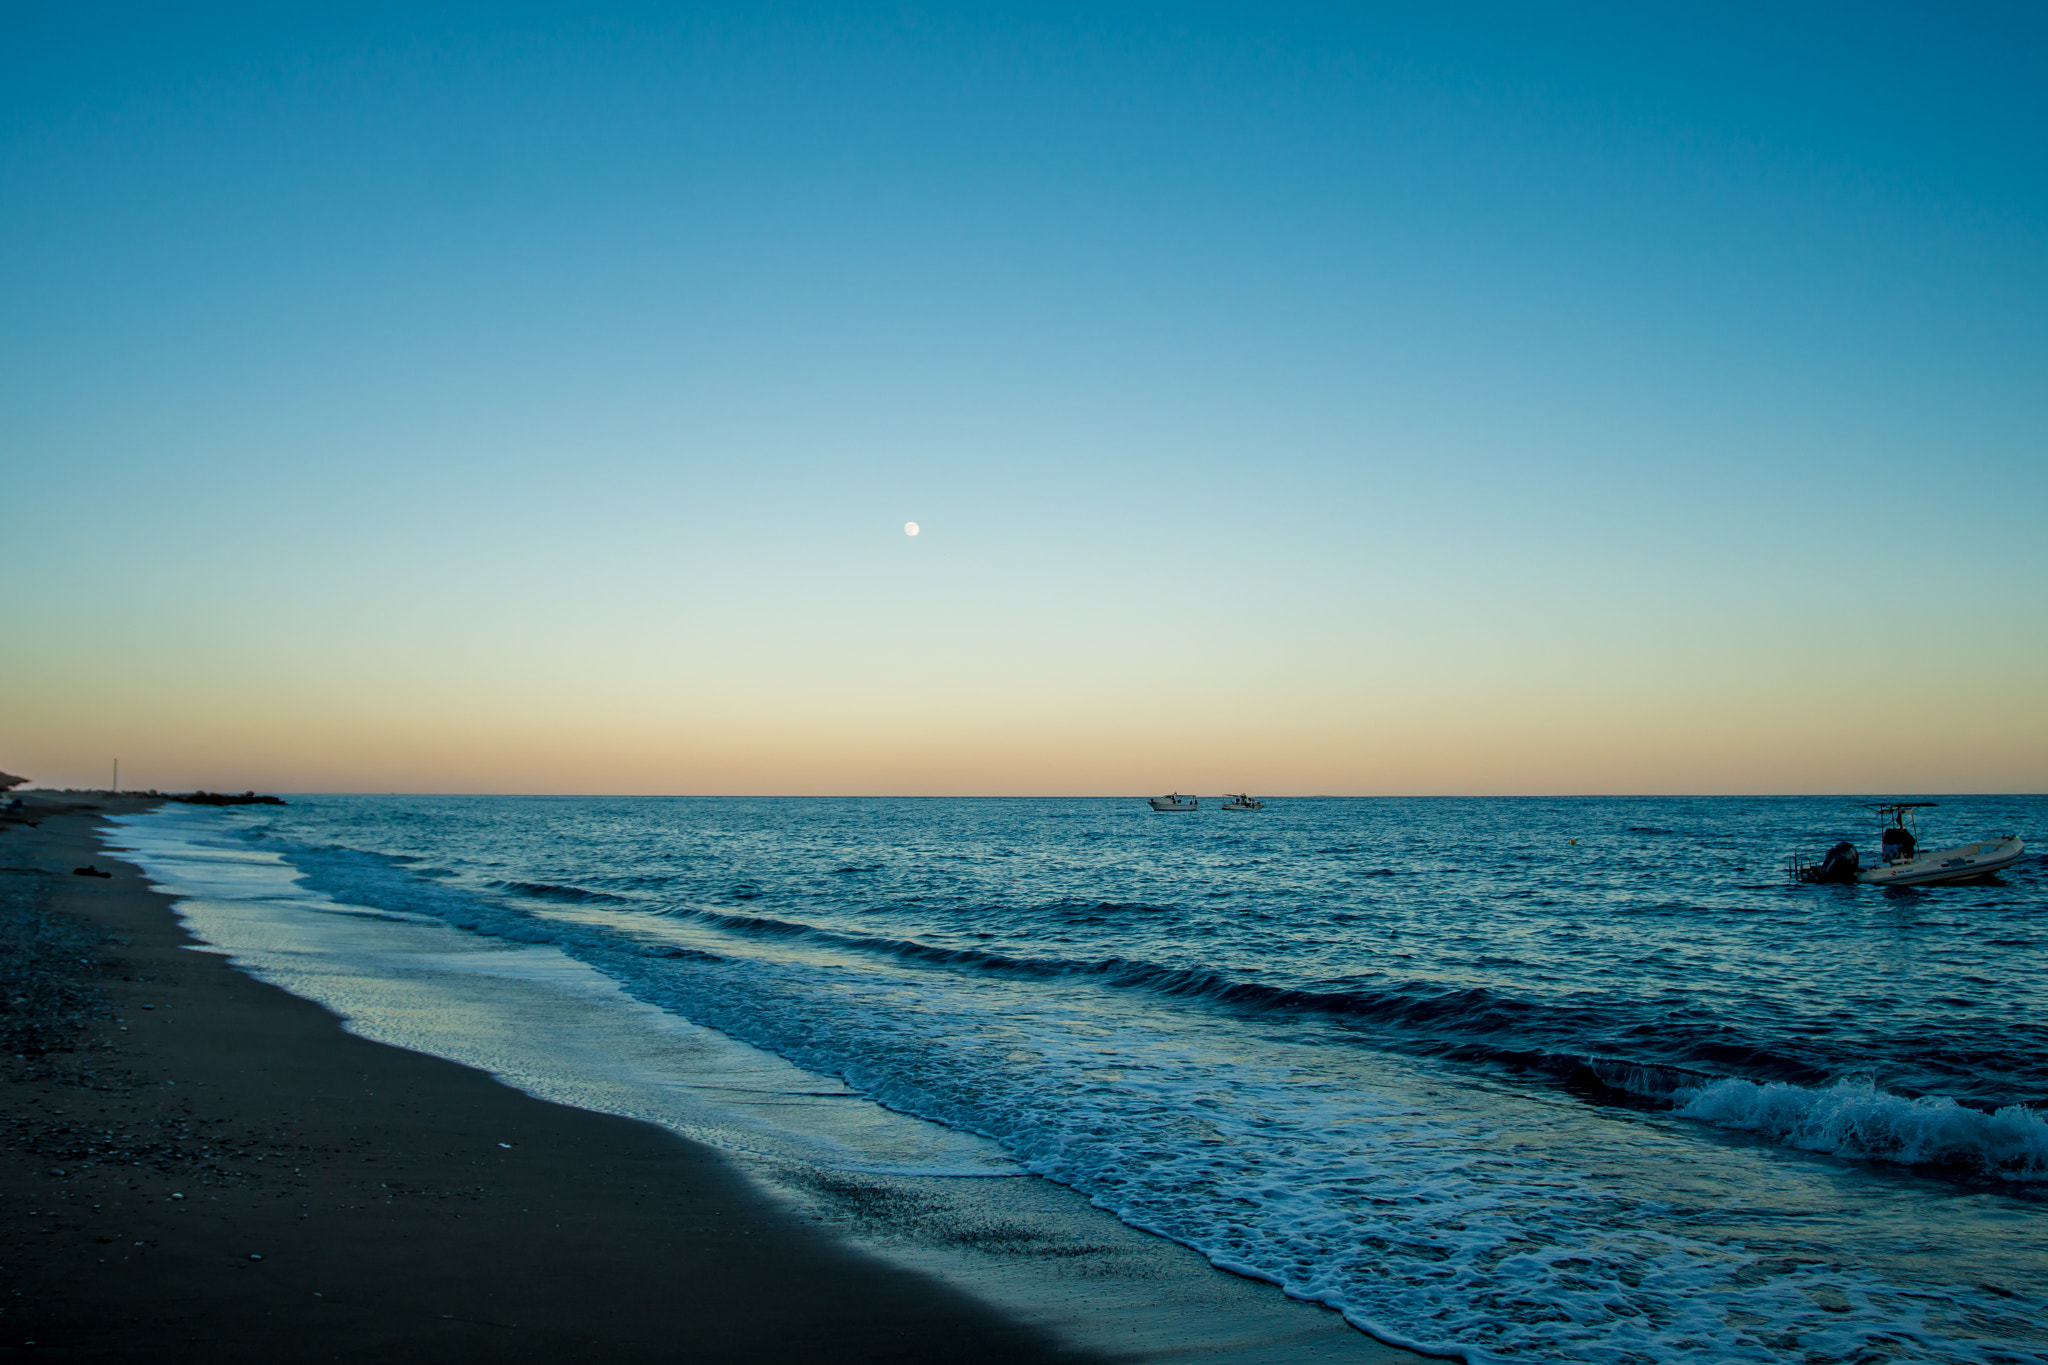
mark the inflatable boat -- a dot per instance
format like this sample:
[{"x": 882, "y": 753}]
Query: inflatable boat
[{"x": 1901, "y": 863}]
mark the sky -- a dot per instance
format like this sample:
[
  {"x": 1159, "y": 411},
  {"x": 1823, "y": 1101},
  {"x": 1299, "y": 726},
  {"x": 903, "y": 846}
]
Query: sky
[{"x": 1349, "y": 399}]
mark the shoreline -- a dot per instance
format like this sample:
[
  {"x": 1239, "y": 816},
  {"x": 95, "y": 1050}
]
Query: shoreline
[
  {"x": 213, "y": 1168},
  {"x": 377, "y": 1172}
]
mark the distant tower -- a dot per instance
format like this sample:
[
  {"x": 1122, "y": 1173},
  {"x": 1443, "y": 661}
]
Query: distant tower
[{"x": 116, "y": 788}]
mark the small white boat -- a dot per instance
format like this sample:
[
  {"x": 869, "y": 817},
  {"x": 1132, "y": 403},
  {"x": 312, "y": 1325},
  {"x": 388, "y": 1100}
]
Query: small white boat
[
  {"x": 1903, "y": 864},
  {"x": 1243, "y": 802},
  {"x": 1950, "y": 866},
  {"x": 1176, "y": 802}
]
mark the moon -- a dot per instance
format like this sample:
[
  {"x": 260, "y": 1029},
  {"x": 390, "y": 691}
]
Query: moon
[{"x": 909, "y": 528}]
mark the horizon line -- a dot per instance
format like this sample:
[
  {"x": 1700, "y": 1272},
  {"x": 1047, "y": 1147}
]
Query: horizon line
[{"x": 1001, "y": 796}]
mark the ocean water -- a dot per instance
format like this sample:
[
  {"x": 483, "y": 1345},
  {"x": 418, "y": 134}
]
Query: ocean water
[{"x": 1514, "y": 1080}]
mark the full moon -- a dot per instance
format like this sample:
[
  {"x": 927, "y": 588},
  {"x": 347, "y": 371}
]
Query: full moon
[{"x": 909, "y": 528}]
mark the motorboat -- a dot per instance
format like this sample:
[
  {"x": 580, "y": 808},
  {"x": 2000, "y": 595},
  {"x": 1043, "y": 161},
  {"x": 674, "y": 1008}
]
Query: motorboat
[
  {"x": 1901, "y": 863},
  {"x": 1243, "y": 802},
  {"x": 1176, "y": 802}
]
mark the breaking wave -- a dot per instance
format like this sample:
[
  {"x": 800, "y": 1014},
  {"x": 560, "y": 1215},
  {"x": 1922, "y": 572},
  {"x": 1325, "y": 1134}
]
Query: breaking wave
[{"x": 1854, "y": 1118}]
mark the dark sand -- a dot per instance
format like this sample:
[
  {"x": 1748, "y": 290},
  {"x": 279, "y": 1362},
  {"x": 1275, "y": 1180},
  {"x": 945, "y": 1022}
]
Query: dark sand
[{"x": 403, "y": 1208}]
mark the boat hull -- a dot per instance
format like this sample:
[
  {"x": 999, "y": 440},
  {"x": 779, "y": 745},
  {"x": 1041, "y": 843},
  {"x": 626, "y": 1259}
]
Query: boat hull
[
  {"x": 1162, "y": 803},
  {"x": 1949, "y": 866}
]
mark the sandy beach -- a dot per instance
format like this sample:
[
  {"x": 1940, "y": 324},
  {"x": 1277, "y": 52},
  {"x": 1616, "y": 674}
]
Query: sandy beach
[{"x": 201, "y": 1166}]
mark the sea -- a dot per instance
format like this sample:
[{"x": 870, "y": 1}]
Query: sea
[{"x": 1524, "y": 1080}]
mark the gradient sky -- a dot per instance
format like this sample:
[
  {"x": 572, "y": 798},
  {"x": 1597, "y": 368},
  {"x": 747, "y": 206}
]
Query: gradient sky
[{"x": 1335, "y": 399}]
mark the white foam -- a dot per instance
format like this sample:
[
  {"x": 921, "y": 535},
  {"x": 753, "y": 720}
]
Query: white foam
[
  {"x": 1853, "y": 1118},
  {"x": 1486, "y": 1222}
]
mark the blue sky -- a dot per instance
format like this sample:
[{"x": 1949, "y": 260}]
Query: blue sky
[{"x": 1311, "y": 398}]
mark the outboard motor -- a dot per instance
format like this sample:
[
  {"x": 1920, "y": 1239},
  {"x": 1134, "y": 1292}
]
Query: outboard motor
[
  {"x": 1841, "y": 865},
  {"x": 1898, "y": 844}
]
